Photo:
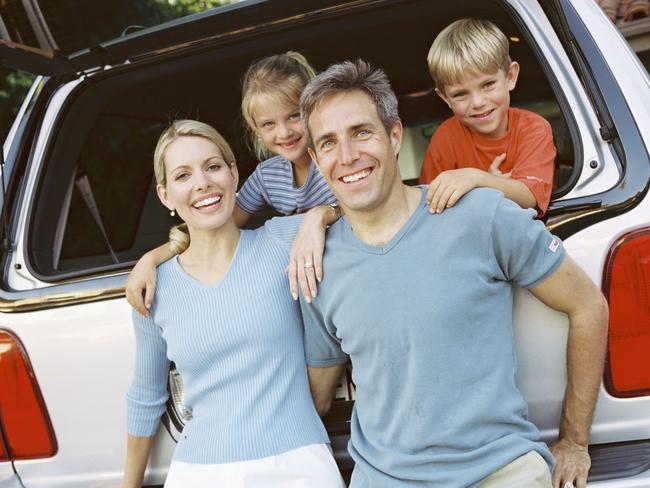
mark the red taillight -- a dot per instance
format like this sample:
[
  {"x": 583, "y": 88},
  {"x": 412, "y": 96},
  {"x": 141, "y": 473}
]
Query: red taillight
[
  {"x": 627, "y": 287},
  {"x": 26, "y": 425}
]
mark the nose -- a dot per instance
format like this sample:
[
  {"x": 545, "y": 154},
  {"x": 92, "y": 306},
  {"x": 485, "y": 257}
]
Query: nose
[
  {"x": 286, "y": 131},
  {"x": 478, "y": 100},
  {"x": 348, "y": 153},
  {"x": 201, "y": 181}
]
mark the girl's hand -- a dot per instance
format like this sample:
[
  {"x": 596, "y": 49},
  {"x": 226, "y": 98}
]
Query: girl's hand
[
  {"x": 305, "y": 268},
  {"x": 142, "y": 282}
]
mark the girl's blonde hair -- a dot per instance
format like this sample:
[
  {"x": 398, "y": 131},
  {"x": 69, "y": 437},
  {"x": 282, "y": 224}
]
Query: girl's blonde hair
[
  {"x": 467, "y": 45},
  {"x": 179, "y": 237},
  {"x": 280, "y": 78}
]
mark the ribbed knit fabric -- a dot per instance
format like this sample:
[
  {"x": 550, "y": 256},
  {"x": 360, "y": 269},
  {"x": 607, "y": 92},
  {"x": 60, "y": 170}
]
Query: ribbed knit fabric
[
  {"x": 272, "y": 185},
  {"x": 238, "y": 345}
]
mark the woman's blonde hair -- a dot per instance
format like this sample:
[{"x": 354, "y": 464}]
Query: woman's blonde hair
[
  {"x": 179, "y": 237},
  {"x": 280, "y": 78},
  {"x": 473, "y": 45}
]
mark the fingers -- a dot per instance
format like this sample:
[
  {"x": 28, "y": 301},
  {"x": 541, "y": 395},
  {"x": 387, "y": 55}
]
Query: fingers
[
  {"x": 304, "y": 283},
  {"x": 292, "y": 274},
  {"x": 436, "y": 189},
  {"x": 148, "y": 296},
  {"x": 496, "y": 162},
  {"x": 310, "y": 276},
  {"x": 431, "y": 192},
  {"x": 445, "y": 195},
  {"x": 318, "y": 265}
]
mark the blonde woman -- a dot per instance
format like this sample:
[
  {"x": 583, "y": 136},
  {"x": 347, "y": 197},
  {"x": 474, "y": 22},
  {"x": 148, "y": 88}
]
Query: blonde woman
[{"x": 222, "y": 312}]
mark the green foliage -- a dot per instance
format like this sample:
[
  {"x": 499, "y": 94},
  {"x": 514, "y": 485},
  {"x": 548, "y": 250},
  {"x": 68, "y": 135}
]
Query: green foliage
[{"x": 14, "y": 85}]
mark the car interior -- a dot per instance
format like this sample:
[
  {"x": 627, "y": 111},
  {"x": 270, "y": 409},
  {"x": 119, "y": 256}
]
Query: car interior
[{"x": 98, "y": 168}]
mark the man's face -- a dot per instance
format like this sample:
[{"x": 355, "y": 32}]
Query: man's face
[
  {"x": 481, "y": 100},
  {"x": 355, "y": 155}
]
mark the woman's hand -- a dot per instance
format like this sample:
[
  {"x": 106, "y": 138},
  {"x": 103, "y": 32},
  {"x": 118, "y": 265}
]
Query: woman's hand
[
  {"x": 305, "y": 268},
  {"x": 142, "y": 280}
]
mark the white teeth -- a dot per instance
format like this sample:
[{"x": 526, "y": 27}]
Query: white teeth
[
  {"x": 206, "y": 202},
  {"x": 356, "y": 176}
]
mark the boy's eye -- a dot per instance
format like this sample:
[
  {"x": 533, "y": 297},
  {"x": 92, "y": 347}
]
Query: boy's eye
[{"x": 490, "y": 83}]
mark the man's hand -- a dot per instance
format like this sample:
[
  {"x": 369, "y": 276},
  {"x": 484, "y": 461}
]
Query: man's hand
[
  {"x": 494, "y": 167},
  {"x": 305, "y": 267},
  {"x": 447, "y": 188},
  {"x": 572, "y": 464},
  {"x": 142, "y": 280}
]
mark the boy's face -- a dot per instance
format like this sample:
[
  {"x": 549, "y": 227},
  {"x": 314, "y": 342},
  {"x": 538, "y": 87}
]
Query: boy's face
[{"x": 481, "y": 100}]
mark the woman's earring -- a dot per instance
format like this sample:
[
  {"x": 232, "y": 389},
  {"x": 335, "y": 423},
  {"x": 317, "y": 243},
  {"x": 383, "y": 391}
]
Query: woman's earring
[{"x": 173, "y": 213}]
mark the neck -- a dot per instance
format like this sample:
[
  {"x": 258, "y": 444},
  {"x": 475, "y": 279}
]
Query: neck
[
  {"x": 211, "y": 249},
  {"x": 379, "y": 225}
]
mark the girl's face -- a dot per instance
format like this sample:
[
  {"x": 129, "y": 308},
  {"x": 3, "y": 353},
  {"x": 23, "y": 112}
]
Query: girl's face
[
  {"x": 200, "y": 185},
  {"x": 280, "y": 128}
]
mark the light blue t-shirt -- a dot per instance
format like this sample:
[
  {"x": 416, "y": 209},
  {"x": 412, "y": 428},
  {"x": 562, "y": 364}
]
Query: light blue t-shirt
[
  {"x": 272, "y": 185},
  {"x": 238, "y": 345},
  {"x": 427, "y": 323}
]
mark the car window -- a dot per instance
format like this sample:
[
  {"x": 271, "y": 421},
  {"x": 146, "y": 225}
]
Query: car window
[{"x": 109, "y": 134}]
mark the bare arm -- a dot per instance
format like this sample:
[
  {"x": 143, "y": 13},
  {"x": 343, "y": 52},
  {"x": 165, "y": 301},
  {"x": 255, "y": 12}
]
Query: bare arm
[
  {"x": 449, "y": 186},
  {"x": 323, "y": 382},
  {"x": 143, "y": 278},
  {"x": 137, "y": 454},
  {"x": 240, "y": 216},
  {"x": 571, "y": 291},
  {"x": 308, "y": 247}
]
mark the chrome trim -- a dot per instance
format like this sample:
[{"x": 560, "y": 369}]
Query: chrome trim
[{"x": 27, "y": 302}]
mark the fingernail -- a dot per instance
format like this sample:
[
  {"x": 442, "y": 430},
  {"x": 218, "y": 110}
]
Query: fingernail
[
  {"x": 308, "y": 299},
  {"x": 319, "y": 278},
  {"x": 313, "y": 294},
  {"x": 295, "y": 296},
  {"x": 431, "y": 210}
]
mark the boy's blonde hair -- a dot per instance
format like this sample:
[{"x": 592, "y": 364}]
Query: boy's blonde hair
[
  {"x": 277, "y": 79},
  {"x": 467, "y": 45}
]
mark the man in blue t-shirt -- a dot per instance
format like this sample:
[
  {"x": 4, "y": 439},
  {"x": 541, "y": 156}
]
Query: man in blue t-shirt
[{"x": 422, "y": 305}]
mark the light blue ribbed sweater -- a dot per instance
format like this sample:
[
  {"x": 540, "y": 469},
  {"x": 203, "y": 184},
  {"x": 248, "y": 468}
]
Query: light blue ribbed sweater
[{"x": 238, "y": 346}]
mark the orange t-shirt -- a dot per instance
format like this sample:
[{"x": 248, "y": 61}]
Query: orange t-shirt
[{"x": 528, "y": 144}]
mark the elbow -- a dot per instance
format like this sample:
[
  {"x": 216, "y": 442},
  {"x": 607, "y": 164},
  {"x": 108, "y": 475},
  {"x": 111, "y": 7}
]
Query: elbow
[{"x": 323, "y": 406}]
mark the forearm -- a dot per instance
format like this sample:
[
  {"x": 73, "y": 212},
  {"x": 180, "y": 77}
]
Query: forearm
[
  {"x": 137, "y": 455},
  {"x": 586, "y": 348},
  {"x": 158, "y": 255},
  {"x": 323, "y": 383},
  {"x": 513, "y": 189}
]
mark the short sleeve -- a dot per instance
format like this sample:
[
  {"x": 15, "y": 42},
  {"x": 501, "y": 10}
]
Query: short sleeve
[
  {"x": 284, "y": 229},
  {"x": 322, "y": 347},
  {"x": 535, "y": 159},
  {"x": 439, "y": 156},
  {"x": 252, "y": 196},
  {"x": 522, "y": 249},
  {"x": 148, "y": 393}
]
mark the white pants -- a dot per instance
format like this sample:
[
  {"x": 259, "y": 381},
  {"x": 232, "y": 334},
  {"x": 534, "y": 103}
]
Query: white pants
[
  {"x": 527, "y": 471},
  {"x": 310, "y": 466}
]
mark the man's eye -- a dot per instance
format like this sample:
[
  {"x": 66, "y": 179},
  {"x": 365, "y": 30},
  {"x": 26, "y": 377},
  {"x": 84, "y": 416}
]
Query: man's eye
[
  {"x": 325, "y": 145},
  {"x": 363, "y": 133}
]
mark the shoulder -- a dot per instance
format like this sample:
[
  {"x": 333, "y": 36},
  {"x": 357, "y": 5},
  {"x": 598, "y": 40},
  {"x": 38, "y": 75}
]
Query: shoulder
[
  {"x": 527, "y": 120},
  {"x": 282, "y": 229},
  {"x": 274, "y": 163},
  {"x": 480, "y": 201}
]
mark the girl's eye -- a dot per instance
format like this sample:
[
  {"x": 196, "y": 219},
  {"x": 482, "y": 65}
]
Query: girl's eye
[
  {"x": 267, "y": 125},
  {"x": 295, "y": 116}
]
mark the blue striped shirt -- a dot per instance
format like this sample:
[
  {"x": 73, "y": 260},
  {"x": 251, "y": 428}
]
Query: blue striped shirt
[
  {"x": 238, "y": 346},
  {"x": 272, "y": 185}
]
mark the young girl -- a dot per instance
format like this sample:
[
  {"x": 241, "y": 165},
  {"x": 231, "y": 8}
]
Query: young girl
[{"x": 288, "y": 182}]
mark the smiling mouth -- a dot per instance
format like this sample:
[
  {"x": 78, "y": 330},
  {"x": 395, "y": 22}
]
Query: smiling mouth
[
  {"x": 289, "y": 145},
  {"x": 359, "y": 175},
  {"x": 206, "y": 202},
  {"x": 483, "y": 115}
]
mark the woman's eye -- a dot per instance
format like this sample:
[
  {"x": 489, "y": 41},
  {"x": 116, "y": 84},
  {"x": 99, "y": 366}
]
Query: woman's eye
[
  {"x": 214, "y": 167},
  {"x": 182, "y": 176}
]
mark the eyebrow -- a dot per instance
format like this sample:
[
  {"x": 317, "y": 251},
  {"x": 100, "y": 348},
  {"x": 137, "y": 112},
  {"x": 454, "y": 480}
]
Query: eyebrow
[{"x": 188, "y": 165}]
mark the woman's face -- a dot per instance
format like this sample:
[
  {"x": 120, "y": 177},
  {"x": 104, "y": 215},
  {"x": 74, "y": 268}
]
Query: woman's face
[
  {"x": 200, "y": 185},
  {"x": 280, "y": 128}
]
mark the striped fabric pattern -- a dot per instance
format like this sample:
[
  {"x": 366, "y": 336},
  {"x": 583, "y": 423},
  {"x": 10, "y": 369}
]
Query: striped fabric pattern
[
  {"x": 238, "y": 345},
  {"x": 272, "y": 185}
]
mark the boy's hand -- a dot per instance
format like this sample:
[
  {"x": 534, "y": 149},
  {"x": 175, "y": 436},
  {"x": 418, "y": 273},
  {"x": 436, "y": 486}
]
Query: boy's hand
[
  {"x": 306, "y": 261},
  {"x": 494, "y": 167},
  {"x": 447, "y": 188},
  {"x": 141, "y": 279}
]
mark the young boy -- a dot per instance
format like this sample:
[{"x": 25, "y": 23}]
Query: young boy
[{"x": 486, "y": 143}]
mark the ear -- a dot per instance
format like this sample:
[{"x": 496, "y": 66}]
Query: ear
[
  {"x": 442, "y": 95},
  {"x": 512, "y": 74},
  {"x": 162, "y": 195},
  {"x": 396, "y": 133},
  {"x": 312, "y": 155}
]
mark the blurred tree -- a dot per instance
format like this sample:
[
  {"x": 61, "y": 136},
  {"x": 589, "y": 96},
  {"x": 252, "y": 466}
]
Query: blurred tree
[{"x": 14, "y": 85}]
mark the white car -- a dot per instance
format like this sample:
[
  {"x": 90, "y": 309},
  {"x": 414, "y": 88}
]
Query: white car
[{"x": 79, "y": 208}]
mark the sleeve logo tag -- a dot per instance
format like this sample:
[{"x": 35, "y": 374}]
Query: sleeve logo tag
[{"x": 554, "y": 245}]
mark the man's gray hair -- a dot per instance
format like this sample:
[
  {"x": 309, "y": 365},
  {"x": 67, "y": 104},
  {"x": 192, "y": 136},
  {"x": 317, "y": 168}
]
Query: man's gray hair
[{"x": 350, "y": 76}]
